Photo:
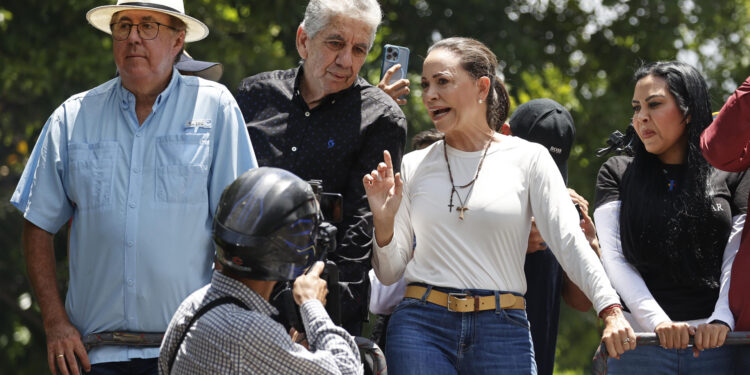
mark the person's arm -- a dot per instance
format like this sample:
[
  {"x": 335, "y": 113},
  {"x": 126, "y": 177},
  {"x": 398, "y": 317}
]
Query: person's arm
[
  {"x": 232, "y": 152},
  {"x": 42, "y": 198},
  {"x": 714, "y": 332},
  {"x": 392, "y": 228},
  {"x": 625, "y": 278},
  {"x": 328, "y": 342},
  {"x": 726, "y": 141},
  {"x": 62, "y": 337},
  {"x": 571, "y": 293},
  {"x": 557, "y": 220},
  {"x": 266, "y": 346}
]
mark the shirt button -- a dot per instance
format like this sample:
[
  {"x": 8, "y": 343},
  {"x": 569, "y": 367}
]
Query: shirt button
[
  {"x": 307, "y": 114},
  {"x": 138, "y": 134},
  {"x": 130, "y": 282},
  {"x": 130, "y": 243},
  {"x": 132, "y": 205},
  {"x": 294, "y": 148},
  {"x": 136, "y": 170},
  {"x": 333, "y": 101}
]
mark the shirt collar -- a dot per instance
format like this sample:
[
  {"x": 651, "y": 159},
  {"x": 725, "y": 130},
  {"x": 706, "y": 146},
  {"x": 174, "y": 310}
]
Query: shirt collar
[
  {"x": 328, "y": 99},
  {"x": 126, "y": 97},
  {"x": 228, "y": 286}
]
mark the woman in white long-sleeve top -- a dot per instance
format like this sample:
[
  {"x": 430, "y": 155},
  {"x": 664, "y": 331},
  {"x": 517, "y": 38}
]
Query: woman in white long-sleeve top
[
  {"x": 669, "y": 227},
  {"x": 468, "y": 200}
]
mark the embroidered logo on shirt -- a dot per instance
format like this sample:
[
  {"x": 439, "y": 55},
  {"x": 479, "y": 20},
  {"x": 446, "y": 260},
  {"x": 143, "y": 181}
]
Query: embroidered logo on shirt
[
  {"x": 199, "y": 124},
  {"x": 331, "y": 143},
  {"x": 717, "y": 207},
  {"x": 555, "y": 150}
]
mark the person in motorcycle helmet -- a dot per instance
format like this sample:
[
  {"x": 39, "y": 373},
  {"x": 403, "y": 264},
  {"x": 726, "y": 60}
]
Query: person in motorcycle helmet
[{"x": 265, "y": 230}]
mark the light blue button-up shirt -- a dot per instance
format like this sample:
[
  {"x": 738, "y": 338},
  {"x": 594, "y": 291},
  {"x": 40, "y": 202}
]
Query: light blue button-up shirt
[{"x": 141, "y": 199}]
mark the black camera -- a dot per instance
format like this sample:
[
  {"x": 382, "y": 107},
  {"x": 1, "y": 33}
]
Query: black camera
[{"x": 331, "y": 208}]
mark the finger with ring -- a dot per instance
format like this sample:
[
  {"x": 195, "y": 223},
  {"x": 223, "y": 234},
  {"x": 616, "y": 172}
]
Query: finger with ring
[{"x": 60, "y": 356}]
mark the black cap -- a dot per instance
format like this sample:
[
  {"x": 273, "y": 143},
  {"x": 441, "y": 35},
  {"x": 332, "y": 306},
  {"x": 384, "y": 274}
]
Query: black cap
[
  {"x": 204, "y": 69},
  {"x": 548, "y": 123}
]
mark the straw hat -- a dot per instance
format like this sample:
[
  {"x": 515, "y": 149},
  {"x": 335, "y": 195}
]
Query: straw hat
[{"x": 100, "y": 17}]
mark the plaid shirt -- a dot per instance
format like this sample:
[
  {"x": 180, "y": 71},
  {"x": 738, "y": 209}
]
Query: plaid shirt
[{"x": 231, "y": 340}]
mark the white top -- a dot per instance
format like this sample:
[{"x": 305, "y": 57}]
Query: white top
[
  {"x": 487, "y": 249},
  {"x": 645, "y": 312},
  {"x": 385, "y": 298}
]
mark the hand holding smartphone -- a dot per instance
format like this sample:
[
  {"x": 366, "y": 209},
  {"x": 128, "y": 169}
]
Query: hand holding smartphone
[{"x": 393, "y": 68}]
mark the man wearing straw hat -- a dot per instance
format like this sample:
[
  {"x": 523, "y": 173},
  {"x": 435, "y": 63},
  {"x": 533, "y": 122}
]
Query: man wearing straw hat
[{"x": 138, "y": 163}]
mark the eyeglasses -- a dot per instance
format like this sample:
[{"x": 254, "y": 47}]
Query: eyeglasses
[{"x": 146, "y": 30}]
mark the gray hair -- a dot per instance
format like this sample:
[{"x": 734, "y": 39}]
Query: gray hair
[{"x": 319, "y": 14}]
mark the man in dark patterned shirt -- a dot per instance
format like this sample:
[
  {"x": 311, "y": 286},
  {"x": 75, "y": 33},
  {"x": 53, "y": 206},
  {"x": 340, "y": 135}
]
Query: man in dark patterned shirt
[{"x": 322, "y": 121}]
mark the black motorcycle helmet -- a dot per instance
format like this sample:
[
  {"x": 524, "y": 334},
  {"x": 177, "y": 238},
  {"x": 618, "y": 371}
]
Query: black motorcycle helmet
[{"x": 266, "y": 225}]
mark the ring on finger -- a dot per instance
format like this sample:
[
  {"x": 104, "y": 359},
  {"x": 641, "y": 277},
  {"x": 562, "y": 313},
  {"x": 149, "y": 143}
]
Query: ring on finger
[{"x": 60, "y": 356}]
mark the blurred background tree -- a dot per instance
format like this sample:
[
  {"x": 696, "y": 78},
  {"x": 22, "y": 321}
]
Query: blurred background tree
[{"x": 580, "y": 53}]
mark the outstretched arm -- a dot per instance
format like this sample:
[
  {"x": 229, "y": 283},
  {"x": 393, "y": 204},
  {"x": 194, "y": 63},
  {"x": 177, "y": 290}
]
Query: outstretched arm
[{"x": 331, "y": 346}]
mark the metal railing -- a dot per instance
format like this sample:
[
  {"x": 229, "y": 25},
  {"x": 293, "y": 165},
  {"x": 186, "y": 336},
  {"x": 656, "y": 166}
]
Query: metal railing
[{"x": 600, "y": 357}]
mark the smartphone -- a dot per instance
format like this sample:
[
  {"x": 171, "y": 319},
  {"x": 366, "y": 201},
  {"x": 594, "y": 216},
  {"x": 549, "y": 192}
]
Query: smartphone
[
  {"x": 580, "y": 213},
  {"x": 393, "y": 55}
]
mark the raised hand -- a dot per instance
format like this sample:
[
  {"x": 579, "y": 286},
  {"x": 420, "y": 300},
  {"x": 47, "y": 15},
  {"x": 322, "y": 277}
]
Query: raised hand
[
  {"x": 587, "y": 225},
  {"x": 398, "y": 88},
  {"x": 310, "y": 286},
  {"x": 384, "y": 189}
]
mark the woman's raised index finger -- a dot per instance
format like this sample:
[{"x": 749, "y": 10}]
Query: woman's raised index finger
[{"x": 388, "y": 162}]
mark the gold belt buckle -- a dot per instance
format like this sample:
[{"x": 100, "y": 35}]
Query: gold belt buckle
[{"x": 457, "y": 297}]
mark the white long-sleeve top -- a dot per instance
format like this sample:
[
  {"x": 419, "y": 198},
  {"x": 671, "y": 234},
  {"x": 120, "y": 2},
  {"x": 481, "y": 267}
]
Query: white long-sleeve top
[
  {"x": 487, "y": 249},
  {"x": 645, "y": 313}
]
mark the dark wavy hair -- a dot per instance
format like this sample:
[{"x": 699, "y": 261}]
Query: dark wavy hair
[
  {"x": 664, "y": 230},
  {"x": 480, "y": 62}
]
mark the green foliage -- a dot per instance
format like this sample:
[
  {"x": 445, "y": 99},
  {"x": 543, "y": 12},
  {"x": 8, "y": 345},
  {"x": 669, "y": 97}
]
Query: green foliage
[{"x": 578, "y": 54}]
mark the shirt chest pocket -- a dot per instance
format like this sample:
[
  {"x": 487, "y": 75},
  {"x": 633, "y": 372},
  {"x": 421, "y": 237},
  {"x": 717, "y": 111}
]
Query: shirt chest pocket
[
  {"x": 92, "y": 167},
  {"x": 182, "y": 162}
]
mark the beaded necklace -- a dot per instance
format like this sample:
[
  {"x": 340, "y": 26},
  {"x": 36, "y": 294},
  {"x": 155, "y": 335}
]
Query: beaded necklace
[{"x": 462, "y": 203}]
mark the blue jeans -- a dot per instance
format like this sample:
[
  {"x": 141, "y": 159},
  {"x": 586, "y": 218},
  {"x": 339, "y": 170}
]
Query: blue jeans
[
  {"x": 424, "y": 338},
  {"x": 742, "y": 361},
  {"x": 136, "y": 366},
  {"x": 657, "y": 360}
]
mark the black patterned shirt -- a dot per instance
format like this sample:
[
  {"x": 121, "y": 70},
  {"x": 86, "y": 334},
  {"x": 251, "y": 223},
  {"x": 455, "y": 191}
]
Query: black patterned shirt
[
  {"x": 231, "y": 340},
  {"x": 338, "y": 142}
]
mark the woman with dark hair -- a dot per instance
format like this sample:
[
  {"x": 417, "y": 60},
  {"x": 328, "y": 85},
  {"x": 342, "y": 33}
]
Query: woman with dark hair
[
  {"x": 468, "y": 199},
  {"x": 669, "y": 228}
]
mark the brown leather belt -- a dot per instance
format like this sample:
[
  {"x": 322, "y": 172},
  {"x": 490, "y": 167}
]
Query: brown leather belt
[{"x": 461, "y": 302}]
